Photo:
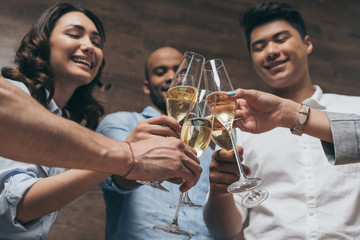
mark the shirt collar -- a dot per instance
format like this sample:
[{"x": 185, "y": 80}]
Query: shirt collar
[
  {"x": 315, "y": 100},
  {"x": 149, "y": 112},
  {"x": 52, "y": 107}
]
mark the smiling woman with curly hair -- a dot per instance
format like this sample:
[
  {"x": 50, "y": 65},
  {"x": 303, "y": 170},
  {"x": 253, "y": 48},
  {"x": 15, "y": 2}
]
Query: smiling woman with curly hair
[
  {"x": 35, "y": 69},
  {"x": 59, "y": 62}
]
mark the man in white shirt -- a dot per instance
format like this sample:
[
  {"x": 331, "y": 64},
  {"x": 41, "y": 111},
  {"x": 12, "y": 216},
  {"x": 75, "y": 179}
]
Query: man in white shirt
[
  {"x": 260, "y": 112},
  {"x": 309, "y": 197}
]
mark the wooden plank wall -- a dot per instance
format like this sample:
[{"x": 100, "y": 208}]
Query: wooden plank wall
[{"x": 136, "y": 27}]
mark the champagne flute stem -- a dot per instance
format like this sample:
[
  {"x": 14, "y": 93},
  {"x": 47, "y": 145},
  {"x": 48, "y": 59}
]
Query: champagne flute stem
[
  {"x": 174, "y": 222},
  {"x": 253, "y": 195},
  {"x": 238, "y": 159},
  {"x": 186, "y": 197}
]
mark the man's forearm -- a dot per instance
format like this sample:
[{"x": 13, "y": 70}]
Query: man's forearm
[
  {"x": 318, "y": 124},
  {"x": 30, "y": 133},
  {"x": 222, "y": 217}
]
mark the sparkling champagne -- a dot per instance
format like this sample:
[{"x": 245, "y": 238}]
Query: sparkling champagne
[
  {"x": 220, "y": 136},
  {"x": 196, "y": 132},
  {"x": 180, "y": 101},
  {"x": 224, "y": 109}
]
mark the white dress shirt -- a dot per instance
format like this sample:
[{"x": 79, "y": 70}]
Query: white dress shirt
[{"x": 309, "y": 198}]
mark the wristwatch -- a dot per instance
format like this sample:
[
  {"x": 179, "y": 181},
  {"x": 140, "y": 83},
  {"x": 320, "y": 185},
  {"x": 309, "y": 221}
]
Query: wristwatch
[{"x": 298, "y": 129}]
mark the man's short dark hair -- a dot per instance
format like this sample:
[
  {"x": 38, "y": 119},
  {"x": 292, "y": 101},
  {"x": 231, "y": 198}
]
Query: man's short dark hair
[{"x": 269, "y": 11}]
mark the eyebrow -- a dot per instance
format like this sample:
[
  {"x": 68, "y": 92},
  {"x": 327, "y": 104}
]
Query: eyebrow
[
  {"x": 281, "y": 33},
  {"x": 274, "y": 36},
  {"x": 82, "y": 29}
]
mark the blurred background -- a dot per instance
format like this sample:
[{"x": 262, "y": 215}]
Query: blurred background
[{"x": 135, "y": 28}]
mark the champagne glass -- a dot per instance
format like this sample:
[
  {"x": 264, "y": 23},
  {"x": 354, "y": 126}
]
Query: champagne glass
[
  {"x": 183, "y": 90},
  {"x": 180, "y": 100},
  {"x": 183, "y": 94},
  {"x": 219, "y": 82},
  {"x": 186, "y": 201},
  {"x": 179, "y": 109},
  {"x": 195, "y": 132}
]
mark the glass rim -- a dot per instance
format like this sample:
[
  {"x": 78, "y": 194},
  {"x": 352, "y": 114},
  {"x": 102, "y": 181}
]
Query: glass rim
[
  {"x": 216, "y": 60},
  {"x": 197, "y": 55}
]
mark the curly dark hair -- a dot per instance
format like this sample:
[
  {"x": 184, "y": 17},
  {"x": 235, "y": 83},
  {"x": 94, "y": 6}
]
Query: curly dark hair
[
  {"x": 268, "y": 11},
  {"x": 33, "y": 67}
]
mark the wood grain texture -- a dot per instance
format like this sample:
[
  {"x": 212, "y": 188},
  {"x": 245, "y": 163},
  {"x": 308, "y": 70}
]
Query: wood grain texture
[{"x": 137, "y": 27}]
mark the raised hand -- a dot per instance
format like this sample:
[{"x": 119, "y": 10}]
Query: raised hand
[
  {"x": 159, "y": 125},
  {"x": 260, "y": 112},
  {"x": 165, "y": 158},
  {"x": 224, "y": 171}
]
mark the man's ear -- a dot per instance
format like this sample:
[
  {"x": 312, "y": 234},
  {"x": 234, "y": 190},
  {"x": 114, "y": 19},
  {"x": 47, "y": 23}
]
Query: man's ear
[
  {"x": 308, "y": 44},
  {"x": 146, "y": 87}
]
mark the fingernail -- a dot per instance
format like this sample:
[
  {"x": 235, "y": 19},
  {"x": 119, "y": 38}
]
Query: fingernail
[{"x": 231, "y": 93}]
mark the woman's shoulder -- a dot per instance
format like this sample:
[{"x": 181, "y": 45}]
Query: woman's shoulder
[{"x": 18, "y": 84}]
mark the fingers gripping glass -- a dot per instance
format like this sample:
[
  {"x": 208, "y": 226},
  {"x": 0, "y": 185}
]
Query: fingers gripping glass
[
  {"x": 223, "y": 134},
  {"x": 182, "y": 94},
  {"x": 181, "y": 99},
  {"x": 195, "y": 132}
]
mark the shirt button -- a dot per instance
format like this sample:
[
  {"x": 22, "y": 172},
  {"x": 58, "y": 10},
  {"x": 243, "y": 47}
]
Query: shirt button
[{"x": 311, "y": 212}]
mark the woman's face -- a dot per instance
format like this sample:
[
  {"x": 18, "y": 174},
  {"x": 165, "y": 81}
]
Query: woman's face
[{"x": 75, "y": 51}]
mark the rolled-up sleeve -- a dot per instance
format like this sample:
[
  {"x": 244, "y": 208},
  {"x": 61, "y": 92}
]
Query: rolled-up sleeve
[
  {"x": 345, "y": 130},
  {"x": 16, "y": 178}
]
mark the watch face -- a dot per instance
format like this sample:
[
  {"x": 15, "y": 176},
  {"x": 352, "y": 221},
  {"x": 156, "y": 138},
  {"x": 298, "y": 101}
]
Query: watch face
[
  {"x": 302, "y": 118},
  {"x": 305, "y": 109}
]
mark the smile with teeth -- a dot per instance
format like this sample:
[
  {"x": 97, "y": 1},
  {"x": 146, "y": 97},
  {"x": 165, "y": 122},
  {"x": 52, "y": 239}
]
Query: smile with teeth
[{"x": 83, "y": 61}]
